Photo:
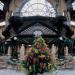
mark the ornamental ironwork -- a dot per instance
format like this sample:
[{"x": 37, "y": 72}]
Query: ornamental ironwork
[{"x": 38, "y": 8}]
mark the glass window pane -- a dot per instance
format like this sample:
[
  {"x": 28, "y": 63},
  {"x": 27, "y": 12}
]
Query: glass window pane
[
  {"x": 35, "y": 6},
  {"x": 33, "y": 1},
  {"x": 73, "y": 5},
  {"x": 1, "y": 5},
  {"x": 41, "y": 1},
  {"x": 38, "y": 7}
]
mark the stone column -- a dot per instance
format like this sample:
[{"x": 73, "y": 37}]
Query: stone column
[
  {"x": 66, "y": 52},
  {"x": 18, "y": 50},
  {"x": 53, "y": 52},
  {"x": 22, "y": 52},
  {"x": 9, "y": 52},
  {"x": 56, "y": 51}
]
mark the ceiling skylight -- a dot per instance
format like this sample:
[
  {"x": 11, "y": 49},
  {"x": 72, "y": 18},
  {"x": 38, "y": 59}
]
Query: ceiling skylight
[
  {"x": 1, "y": 5},
  {"x": 38, "y": 8},
  {"x": 73, "y": 5}
]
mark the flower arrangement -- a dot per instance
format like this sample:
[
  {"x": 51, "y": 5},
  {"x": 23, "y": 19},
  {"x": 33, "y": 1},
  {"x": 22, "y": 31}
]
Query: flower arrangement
[{"x": 39, "y": 59}]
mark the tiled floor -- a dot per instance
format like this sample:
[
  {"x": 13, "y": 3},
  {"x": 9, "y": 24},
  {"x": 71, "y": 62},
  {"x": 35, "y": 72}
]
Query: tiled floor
[
  {"x": 11, "y": 72},
  {"x": 60, "y": 72}
]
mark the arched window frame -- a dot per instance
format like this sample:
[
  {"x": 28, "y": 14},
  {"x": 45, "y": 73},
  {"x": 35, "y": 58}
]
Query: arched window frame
[{"x": 47, "y": 9}]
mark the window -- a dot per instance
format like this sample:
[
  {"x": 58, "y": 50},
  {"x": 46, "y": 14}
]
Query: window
[
  {"x": 1, "y": 5},
  {"x": 73, "y": 5},
  {"x": 38, "y": 7}
]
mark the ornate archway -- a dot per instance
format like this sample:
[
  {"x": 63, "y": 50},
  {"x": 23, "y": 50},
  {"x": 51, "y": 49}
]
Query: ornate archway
[{"x": 36, "y": 8}]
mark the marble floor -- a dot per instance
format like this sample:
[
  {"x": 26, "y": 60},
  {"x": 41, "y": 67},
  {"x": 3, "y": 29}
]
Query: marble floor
[
  {"x": 61, "y": 72},
  {"x": 58, "y": 72},
  {"x": 10, "y": 72}
]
